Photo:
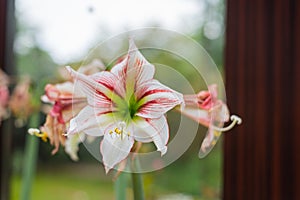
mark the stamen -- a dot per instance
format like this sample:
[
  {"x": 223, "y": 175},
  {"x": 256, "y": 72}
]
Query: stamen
[
  {"x": 235, "y": 120},
  {"x": 120, "y": 131},
  {"x": 36, "y": 132}
]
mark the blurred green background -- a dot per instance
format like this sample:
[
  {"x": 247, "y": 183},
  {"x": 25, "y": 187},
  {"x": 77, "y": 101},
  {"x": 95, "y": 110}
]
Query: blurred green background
[{"x": 57, "y": 177}]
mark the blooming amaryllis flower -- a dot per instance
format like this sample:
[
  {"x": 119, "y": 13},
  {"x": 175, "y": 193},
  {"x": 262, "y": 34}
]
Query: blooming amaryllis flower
[
  {"x": 206, "y": 109},
  {"x": 124, "y": 105}
]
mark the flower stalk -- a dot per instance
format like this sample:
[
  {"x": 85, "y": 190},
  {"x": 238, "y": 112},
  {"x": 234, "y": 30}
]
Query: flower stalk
[
  {"x": 137, "y": 186},
  {"x": 120, "y": 187},
  {"x": 137, "y": 181},
  {"x": 30, "y": 158}
]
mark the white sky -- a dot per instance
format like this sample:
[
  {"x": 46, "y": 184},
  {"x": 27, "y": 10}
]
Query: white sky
[{"x": 67, "y": 28}]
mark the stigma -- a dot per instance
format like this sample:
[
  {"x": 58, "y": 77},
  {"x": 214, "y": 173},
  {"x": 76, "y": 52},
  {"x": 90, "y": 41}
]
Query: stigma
[{"x": 235, "y": 120}]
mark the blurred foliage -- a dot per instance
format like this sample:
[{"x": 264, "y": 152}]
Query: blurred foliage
[{"x": 76, "y": 182}]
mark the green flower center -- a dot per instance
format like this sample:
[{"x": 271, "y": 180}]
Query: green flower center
[
  {"x": 128, "y": 108},
  {"x": 133, "y": 106}
]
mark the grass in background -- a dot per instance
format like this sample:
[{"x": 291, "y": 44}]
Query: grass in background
[
  {"x": 71, "y": 182},
  {"x": 60, "y": 179}
]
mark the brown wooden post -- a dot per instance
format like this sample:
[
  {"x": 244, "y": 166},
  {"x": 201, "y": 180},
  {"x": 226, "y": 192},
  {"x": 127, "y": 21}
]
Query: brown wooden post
[
  {"x": 262, "y": 156},
  {"x": 7, "y": 30}
]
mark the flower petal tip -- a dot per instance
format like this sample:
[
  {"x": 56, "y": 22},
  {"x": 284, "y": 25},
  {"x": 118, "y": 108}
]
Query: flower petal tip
[
  {"x": 132, "y": 45},
  {"x": 107, "y": 169},
  {"x": 54, "y": 151},
  {"x": 71, "y": 71},
  {"x": 163, "y": 151}
]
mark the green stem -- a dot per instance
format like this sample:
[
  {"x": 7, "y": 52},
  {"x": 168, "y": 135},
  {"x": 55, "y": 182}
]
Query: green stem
[
  {"x": 120, "y": 187},
  {"x": 137, "y": 184},
  {"x": 30, "y": 157}
]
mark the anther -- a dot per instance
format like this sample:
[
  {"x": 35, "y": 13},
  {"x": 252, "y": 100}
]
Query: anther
[
  {"x": 120, "y": 131},
  {"x": 36, "y": 132}
]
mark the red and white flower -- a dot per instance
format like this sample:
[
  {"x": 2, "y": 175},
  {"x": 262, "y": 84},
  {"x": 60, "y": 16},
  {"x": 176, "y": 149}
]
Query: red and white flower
[
  {"x": 65, "y": 104},
  {"x": 124, "y": 105},
  {"x": 206, "y": 109}
]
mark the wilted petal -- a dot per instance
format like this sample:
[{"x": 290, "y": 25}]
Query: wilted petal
[
  {"x": 200, "y": 116},
  {"x": 217, "y": 116},
  {"x": 69, "y": 111},
  {"x": 213, "y": 90},
  {"x": 90, "y": 121},
  {"x": 155, "y": 99},
  {"x": 210, "y": 140},
  {"x": 207, "y": 110},
  {"x": 114, "y": 150},
  {"x": 220, "y": 112},
  {"x": 156, "y": 130},
  {"x": 54, "y": 131},
  {"x": 51, "y": 92}
]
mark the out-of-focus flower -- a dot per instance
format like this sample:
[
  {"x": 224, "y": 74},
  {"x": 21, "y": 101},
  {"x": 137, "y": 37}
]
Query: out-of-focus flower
[
  {"x": 125, "y": 105},
  {"x": 64, "y": 106},
  {"x": 93, "y": 67},
  {"x": 20, "y": 103},
  {"x": 4, "y": 80},
  {"x": 206, "y": 109},
  {"x": 4, "y": 96}
]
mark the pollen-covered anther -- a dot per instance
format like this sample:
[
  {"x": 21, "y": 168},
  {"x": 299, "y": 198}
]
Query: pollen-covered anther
[
  {"x": 120, "y": 131},
  {"x": 36, "y": 132}
]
